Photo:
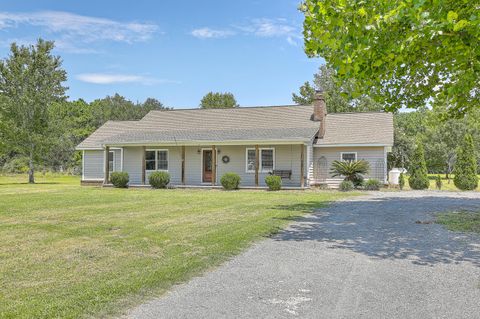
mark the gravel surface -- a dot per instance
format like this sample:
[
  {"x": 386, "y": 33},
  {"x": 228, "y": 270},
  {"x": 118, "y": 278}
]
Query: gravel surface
[{"x": 365, "y": 257}]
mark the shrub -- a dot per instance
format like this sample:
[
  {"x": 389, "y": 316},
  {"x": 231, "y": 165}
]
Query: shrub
[
  {"x": 373, "y": 184},
  {"x": 119, "y": 179},
  {"x": 438, "y": 182},
  {"x": 16, "y": 165},
  {"x": 346, "y": 186},
  {"x": 418, "y": 169},
  {"x": 273, "y": 182},
  {"x": 352, "y": 170},
  {"x": 401, "y": 181},
  {"x": 230, "y": 181},
  {"x": 465, "y": 169},
  {"x": 159, "y": 179},
  {"x": 358, "y": 181}
]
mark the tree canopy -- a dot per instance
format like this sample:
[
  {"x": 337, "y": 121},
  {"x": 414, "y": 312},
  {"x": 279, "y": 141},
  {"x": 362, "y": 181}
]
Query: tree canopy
[
  {"x": 338, "y": 94},
  {"x": 217, "y": 100},
  {"x": 402, "y": 53},
  {"x": 31, "y": 80}
]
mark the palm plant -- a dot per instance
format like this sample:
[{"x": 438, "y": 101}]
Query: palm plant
[{"x": 351, "y": 170}]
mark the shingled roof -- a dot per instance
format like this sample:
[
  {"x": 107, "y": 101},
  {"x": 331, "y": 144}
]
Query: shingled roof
[
  {"x": 245, "y": 124},
  {"x": 358, "y": 128}
]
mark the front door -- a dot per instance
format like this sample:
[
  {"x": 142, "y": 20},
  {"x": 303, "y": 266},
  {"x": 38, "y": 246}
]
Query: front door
[{"x": 207, "y": 166}]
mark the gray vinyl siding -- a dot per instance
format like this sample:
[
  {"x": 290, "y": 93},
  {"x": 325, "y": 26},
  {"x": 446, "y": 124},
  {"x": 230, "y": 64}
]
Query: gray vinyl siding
[
  {"x": 374, "y": 155},
  {"x": 132, "y": 164},
  {"x": 287, "y": 157},
  {"x": 93, "y": 165}
]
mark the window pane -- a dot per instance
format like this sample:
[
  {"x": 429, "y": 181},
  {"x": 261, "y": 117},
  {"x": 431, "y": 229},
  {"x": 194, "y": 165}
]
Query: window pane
[
  {"x": 251, "y": 160},
  {"x": 348, "y": 157},
  {"x": 110, "y": 161},
  {"x": 150, "y": 155},
  {"x": 162, "y": 163},
  {"x": 267, "y": 160},
  {"x": 150, "y": 165}
]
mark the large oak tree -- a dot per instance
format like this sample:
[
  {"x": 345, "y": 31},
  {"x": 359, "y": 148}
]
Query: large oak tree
[{"x": 404, "y": 53}]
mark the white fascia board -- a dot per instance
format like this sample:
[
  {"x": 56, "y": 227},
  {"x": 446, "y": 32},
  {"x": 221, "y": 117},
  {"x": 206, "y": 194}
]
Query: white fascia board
[
  {"x": 201, "y": 143},
  {"x": 350, "y": 145}
]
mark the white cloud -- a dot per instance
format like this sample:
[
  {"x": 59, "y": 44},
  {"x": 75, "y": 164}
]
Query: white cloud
[
  {"x": 265, "y": 28},
  {"x": 109, "y": 78},
  {"x": 207, "y": 33},
  {"x": 71, "y": 29},
  {"x": 269, "y": 28}
]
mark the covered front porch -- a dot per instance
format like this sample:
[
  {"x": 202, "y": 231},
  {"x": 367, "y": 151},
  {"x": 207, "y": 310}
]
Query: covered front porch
[{"x": 204, "y": 165}]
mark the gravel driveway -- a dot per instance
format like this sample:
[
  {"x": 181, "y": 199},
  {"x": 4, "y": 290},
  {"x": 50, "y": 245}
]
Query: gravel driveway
[{"x": 364, "y": 257}]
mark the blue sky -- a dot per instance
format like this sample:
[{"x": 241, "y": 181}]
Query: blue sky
[{"x": 175, "y": 51}]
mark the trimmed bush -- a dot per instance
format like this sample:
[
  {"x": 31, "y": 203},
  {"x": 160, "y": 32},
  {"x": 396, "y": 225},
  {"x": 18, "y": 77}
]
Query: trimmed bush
[
  {"x": 159, "y": 179},
  {"x": 438, "y": 182},
  {"x": 230, "y": 181},
  {"x": 418, "y": 169},
  {"x": 273, "y": 182},
  {"x": 401, "y": 181},
  {"x": 373, "y": 185},
  {"x": 465, "y": 169},
  {"x": 358, "y": 181},
  {"x": 119, "y": 179},
  {"x": 346, "y": 186}
]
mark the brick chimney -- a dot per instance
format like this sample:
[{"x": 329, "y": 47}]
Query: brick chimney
[{"x": 320, "y": 111}]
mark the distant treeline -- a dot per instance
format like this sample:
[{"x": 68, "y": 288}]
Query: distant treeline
[{"x": 70, "y": 123}]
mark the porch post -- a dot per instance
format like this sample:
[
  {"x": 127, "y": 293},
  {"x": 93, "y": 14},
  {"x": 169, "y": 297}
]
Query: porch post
[
  {"x": 257, "y": 163},
  {"x": 302, "y": 166},
  {"x": 143, "y": 164},
  {"x": 183, "y": 165},
  {"x": 106, "y": 167},
  {"x": 214, "y": 165}
]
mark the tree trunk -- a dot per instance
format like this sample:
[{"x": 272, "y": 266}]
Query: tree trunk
[
  {"x": 31, "y": 177},
  {"x": 31, "y": 168}
]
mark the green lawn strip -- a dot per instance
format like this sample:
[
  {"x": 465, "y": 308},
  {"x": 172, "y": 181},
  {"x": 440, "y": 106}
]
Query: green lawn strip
[
  {"x": 460, "y": 221},
  {"x": 69, "y": 251}
]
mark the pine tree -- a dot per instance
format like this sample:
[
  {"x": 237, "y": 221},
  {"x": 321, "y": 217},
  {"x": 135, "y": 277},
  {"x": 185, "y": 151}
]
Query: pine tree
[
  {"x": 418, "y": 169},
  {"x": 465, "y": 169}
]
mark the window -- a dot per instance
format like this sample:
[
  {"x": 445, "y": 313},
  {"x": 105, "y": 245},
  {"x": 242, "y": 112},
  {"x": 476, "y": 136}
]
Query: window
[
  {"x": 250, "y": 160},
  {"x": 266, "y": 160},
  {"x": 150, "y": 160},
  {"x": 162, "y": 160},
  {"x": 111, "y": 161},
  {"x": 349, "y": 157},
  {"x": 156, "y": 160}
]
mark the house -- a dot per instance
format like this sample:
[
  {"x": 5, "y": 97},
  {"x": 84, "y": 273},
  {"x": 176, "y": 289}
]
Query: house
[{"x": 197, "y": 146}]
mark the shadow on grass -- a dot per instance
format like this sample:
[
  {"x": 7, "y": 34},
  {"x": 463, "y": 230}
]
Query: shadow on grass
[{"x": 388, "y": 228}]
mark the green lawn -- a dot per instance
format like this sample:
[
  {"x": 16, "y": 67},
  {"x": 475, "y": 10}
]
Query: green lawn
[
  {"x": 460, "y": 221},
  {"x": 447, "y": 185},
  {"x": 68, "y": 251}
]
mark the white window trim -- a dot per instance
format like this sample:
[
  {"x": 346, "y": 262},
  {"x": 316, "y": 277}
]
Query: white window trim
[
  {"x": 156, "y": 150},
  {"x": 260, "y": 170},
  {"x": 341, "y": 155}
]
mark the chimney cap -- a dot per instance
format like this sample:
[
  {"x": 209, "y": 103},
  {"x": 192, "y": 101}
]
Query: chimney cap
[{"x": 319, "y": 95}]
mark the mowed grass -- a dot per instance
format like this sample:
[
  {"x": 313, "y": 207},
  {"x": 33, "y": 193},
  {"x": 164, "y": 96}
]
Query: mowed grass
[
  {"x": 68, "y": 251},
  {"x": 447, "y": 185},
  {"x": 460, "y": 221}
]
